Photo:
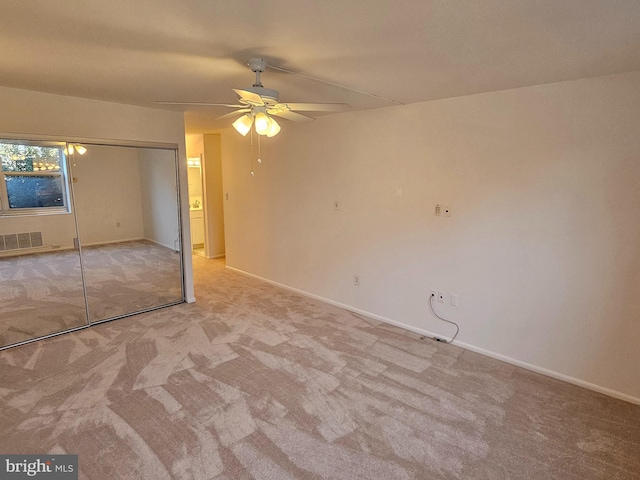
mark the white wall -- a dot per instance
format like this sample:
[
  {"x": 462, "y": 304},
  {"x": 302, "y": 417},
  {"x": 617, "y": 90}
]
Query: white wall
[
  {"x": 28, "y": 114},
  {"x": 541, "y": 247}
]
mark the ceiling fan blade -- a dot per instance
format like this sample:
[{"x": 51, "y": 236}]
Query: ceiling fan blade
[
  {"x": 293, "y": 116},
  {"x": 205, "y": 104},
  {"x": 317, "y": 107},
  {"x": 249, "y": 97},
  {"x": 234, "y": 114}
]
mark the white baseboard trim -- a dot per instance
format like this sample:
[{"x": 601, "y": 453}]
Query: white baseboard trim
[
  {"x": 66, "y": 248},
  {"x": 158, "y": 243},
  {"x": 551, "y": 373},
  {"x": 110, "y": 242},
  {"x": 222, "y": 255},
  {"x": 527, "y": 366},
  {"x": 18, "y": 252}
]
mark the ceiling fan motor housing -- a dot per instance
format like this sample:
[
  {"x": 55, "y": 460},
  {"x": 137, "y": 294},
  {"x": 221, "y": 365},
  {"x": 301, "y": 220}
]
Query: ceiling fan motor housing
[{"x": 257, "y": 64}]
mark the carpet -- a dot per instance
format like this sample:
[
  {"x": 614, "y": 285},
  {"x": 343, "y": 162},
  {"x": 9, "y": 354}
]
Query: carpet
[{"x": 256, "y": 382}]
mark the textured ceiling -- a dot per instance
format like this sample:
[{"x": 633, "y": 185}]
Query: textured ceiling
[{"x": 400, "y": 51}]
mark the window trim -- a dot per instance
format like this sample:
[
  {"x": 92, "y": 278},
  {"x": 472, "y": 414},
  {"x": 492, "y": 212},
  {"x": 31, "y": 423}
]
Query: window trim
[{"x": 63, "y": 173}]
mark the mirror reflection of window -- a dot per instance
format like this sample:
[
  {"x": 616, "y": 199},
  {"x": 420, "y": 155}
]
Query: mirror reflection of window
[{"x": 33, "y": 177}]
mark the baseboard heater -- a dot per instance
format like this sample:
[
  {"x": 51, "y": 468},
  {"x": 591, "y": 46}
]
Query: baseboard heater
[{"x": 20, "y": 241}]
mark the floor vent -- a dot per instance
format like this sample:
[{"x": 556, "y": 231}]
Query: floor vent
[{"x": 18, "y": 241}]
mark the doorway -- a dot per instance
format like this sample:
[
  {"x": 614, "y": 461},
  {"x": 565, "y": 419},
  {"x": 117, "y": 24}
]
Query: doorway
[
  {"x": 196, "y": 205},
  {"x": 206, "y": 200}
]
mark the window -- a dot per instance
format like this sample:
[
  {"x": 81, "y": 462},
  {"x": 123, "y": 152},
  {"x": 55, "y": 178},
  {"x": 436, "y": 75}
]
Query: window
[{"x": 33, "y": 177}]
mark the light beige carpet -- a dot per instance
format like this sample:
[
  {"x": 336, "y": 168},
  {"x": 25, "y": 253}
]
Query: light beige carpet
[
  {"x": 254, "y": 382},
  {"x": 42, "y": 293}
]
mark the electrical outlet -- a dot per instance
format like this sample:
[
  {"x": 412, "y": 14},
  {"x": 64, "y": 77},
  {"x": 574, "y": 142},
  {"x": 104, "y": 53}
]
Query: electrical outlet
[
  {"x": 441, "y": 296},
  {"x": 437, "y": 211},
  {"x": 434, "y": 293},
  {"x": 356, "y": 280}
]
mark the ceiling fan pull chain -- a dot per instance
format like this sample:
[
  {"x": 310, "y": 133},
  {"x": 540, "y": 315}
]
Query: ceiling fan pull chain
[
  {"x": 252, "y": 174},
  {"x": 259, "y": 151}
]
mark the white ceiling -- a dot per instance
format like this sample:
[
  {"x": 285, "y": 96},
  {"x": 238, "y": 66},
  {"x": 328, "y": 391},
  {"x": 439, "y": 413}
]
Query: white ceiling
[{"x": 404, "y": 51}]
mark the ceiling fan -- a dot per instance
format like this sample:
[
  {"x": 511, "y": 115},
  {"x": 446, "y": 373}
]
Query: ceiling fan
[{"x": 258, "y": 105}]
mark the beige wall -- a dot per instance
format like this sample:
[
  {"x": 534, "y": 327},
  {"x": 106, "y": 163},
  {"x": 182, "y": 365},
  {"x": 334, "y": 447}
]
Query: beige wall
[
  {"x": 32, "y": 114},
  {"x": 215, "y": 207},
  {"x": 541, "y": 247}
]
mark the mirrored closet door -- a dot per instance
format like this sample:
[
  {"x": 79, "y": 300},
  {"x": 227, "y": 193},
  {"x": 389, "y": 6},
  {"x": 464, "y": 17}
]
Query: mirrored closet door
[
  {"x": 129, "y": 228},
  {"x": 88, "y": 233}
]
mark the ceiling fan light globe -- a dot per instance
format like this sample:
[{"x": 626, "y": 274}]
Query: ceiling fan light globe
[
  {"x": 274, "y": 128},
  {"x": 243, "y": 124},
  {"x": 262, "y": 123}
]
